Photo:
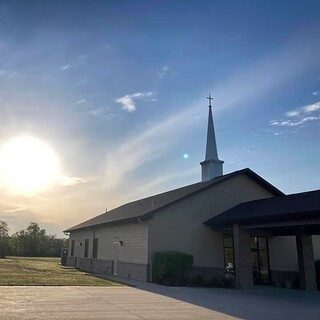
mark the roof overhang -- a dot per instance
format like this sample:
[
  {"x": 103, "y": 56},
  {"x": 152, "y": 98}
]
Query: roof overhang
[
  {"x": 95, "y": 226},
  {"x": 278, "y": 215},
  {"x": 277, "y": 226}
]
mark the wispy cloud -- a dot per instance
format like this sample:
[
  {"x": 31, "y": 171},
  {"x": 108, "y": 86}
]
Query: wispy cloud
[
  {"x": 102, "y": 112},
  {"x": 96, "y": 112},
  {"x": 312, "y": 107},
  {"x": 292, "y": 113},
  {"x": 65, "y": 67},
  {"x": 300, "y": 116},
  {"x": 303, "y": 110},
  {"x": 68, "y": 180},
  {"x": 316, "y": 93},
  {"x": 14, "y": 210},
  {"x": 291, "y": 123},
  {"x": 248, "y": 84},
  {"x": 148, "y": 145},
  {"x": 110, "y": 116},
  {"x": 81, "y": 101},
  {"x": 136, "y": 150},
  {"x": 162, "y": 182},
  {"x": 128, "y": 102},
  {"x": 162, "y": 72}
]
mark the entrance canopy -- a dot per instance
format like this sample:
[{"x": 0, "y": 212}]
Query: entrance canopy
[
  {"x": 282, "y": 215},
  {"x": 295, "y": 214}
]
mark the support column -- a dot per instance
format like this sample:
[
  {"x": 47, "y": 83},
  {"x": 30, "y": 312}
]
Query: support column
[
  {"x": 306, "y": 261},
  {"x": 242, "y": 258}
]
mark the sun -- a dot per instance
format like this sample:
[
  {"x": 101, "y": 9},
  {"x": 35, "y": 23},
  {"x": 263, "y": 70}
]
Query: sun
[{"x": 28, "y": 165}]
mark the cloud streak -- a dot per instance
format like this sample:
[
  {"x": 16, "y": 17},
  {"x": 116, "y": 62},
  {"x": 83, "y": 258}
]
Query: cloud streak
[
  {"x": 81, "y": 101},
  {"x": 162, "y": 72},
  {"x": 68, "y": 180},
  {"x": 300, "y": 116},
  {"x": 291, "y": 123},
  {"x": 19, "y": 209},
  {"x": 65, "y": 67},
  {"x": 120, "y": 181},
  {"x": 247, "y": 84},
  {"x": 97, "y": 112},
  {"x": 128, "y": 102}
]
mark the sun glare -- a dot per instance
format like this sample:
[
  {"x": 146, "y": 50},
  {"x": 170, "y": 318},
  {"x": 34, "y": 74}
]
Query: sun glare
[{"x": 28, "y": 165}]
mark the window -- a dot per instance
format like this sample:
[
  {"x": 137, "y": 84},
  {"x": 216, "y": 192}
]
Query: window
[
  {"x": 260, "y": 260},
  {"x": 86, "y": 248},
  {"x": 228, "y": 254},
  {"x": 95, "y": 248},
  {"x": 72, "y": 248}
]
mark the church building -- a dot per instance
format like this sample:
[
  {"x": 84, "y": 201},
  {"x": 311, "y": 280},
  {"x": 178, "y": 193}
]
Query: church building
[{"x": 236, "y": 225}]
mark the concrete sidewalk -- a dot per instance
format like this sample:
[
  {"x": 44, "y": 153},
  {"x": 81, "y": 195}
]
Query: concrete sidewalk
[{"x": 149, "y": 301}]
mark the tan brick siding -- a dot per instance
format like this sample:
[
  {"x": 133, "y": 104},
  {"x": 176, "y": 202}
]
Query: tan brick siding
[
  {"x": 79, "y": 237},
  {"x": 180, "y": 226},
  {"x": 134, "y": 237}
]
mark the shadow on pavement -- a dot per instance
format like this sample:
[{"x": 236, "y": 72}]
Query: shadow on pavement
[{"x": 261, "y": 302}]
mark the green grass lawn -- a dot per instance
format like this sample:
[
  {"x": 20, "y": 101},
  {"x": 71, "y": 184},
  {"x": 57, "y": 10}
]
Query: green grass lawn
[{"x": 25, "y": 271}]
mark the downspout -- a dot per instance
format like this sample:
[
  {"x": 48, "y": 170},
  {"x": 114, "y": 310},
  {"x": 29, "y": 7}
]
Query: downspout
[
  {"x": 94, "y": 235},
  {"x": 149, "y": 266}
]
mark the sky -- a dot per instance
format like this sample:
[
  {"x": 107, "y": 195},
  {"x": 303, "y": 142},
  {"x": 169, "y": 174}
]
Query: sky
[{"x": 117, "y": 91}]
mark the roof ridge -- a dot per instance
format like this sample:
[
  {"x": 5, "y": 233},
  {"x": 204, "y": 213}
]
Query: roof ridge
[{"x": 132, "y": 210}]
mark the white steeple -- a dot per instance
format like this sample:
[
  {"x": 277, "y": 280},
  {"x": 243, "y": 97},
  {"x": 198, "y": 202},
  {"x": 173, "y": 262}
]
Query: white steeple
[{"x": 211, "y": 167}]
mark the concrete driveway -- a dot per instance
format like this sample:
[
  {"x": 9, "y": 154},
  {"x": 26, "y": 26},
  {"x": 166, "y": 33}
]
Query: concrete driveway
[{"x": 156, "y": 302}]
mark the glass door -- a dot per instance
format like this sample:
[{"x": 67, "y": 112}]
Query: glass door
[{"x": 260, "y": 260}]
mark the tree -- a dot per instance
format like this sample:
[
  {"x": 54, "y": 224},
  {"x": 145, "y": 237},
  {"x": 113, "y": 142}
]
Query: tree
[
  {"x": 19, "y": 243},
  {"x": 31, "y": 242},
  {"x": 36, "y": 239},
  {"x": 4, "y": 239}
]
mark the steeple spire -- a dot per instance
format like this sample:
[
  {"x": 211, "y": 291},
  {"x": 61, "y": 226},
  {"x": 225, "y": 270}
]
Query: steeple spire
[{"x": 211, "y": 166}]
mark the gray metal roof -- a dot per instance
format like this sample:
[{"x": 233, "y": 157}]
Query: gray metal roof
[
  {"x": 144, "y": 208},
  {"x": 297, "y": 205}
]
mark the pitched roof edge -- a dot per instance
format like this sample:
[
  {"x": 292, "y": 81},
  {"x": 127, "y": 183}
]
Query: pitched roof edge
[
  {"x": 267, "y": 185},
  {"x": 222, "y": 179},
  {"x": 150, "y": 214},
  {"x": 126, "y": 220}
]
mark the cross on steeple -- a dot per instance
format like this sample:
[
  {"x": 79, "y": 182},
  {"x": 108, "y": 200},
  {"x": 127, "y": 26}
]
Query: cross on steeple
[
  {"x": 211, "y": 167},
  {"x": 210, "y": 99}
]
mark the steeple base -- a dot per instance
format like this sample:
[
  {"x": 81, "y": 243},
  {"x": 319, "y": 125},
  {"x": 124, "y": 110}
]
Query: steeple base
[{"x": 211, "y": 169}]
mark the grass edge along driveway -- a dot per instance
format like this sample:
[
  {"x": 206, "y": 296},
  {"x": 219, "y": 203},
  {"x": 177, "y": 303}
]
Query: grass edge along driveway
[{"x": 34, "y": 271}]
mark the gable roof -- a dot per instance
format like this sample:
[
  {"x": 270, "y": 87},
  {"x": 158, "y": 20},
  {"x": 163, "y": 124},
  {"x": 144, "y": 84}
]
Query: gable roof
[
  {"x": 287, "y": 206},
  {"x": 145, "y": 208}
]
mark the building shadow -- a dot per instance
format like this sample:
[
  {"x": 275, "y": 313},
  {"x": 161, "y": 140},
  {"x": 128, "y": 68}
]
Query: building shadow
[{"x": 260, "y": 302}]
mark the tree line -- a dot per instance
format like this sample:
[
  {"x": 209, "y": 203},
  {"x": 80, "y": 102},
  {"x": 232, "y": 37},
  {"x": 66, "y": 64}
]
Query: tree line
[{"x": 31, "y": 242}]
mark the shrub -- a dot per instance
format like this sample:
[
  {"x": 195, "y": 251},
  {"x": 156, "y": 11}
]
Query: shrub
[
  {"x": 171, "y": 267},
  {"x": 317, "y": 266}
]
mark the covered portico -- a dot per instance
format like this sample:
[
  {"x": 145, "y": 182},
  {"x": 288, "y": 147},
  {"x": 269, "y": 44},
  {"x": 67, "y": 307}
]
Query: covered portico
[{"x": 290, "y": 215}]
